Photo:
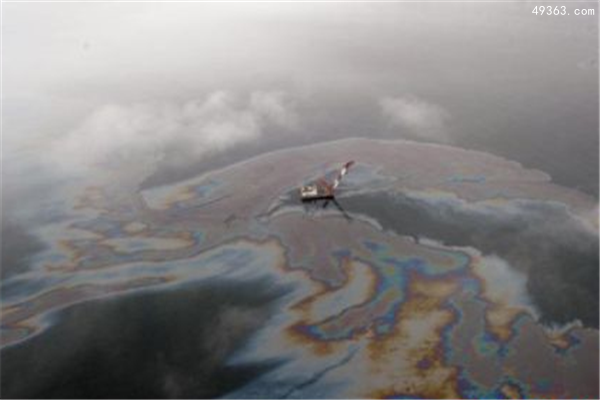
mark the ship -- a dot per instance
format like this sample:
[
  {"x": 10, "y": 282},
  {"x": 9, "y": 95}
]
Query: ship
[{"x": 322, "y": 189}]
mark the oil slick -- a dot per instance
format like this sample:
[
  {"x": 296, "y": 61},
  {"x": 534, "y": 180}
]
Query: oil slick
[{"x": 367, "y": 311}]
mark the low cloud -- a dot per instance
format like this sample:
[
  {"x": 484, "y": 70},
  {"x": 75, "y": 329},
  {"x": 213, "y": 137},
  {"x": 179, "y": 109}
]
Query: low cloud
[
  {"x": 417, "y": 117},
  {"x": 140, "y": 135}
]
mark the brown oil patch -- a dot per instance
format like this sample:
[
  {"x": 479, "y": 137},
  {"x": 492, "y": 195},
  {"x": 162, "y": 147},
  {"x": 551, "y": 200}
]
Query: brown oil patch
[
  {"x": 412, "y": 355},
  {"x": 319, "y": 348},
  {"x": 511, "y": 391},
  {"x": 357, "y": 273},
  {"x": 500, "y": 320}
]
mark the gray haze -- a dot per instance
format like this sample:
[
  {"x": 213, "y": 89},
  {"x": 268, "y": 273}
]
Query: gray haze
[{"x": 179, "y": 87}]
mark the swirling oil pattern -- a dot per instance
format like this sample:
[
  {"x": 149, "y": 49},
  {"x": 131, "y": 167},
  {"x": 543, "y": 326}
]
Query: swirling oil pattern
[{"x": 445, "y": 273}]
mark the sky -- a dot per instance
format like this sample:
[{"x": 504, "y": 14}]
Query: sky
[{"x": 170, "y": 89}]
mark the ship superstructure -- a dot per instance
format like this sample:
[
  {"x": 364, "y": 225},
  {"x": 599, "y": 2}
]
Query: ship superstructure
[{"x": 322, "y": 188}]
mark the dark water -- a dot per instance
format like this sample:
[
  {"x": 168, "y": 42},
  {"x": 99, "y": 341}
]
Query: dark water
[
  {"x": 559, "y": 256},
  {"x": 172, "y": 343},
  {"x": 18, "y": 247}
]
